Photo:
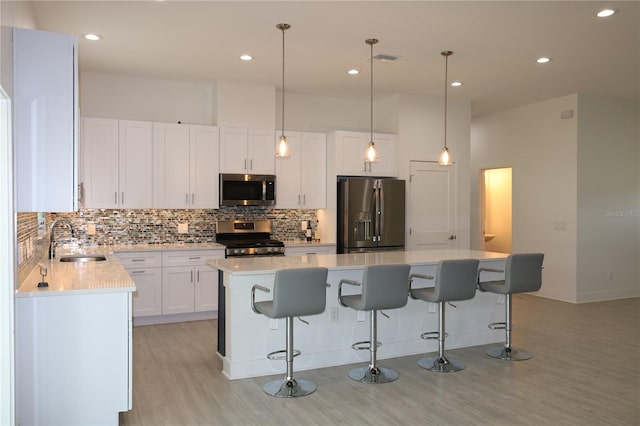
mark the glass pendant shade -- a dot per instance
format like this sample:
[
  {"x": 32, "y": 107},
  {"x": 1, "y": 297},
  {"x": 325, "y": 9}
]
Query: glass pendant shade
[
  {"x": 445, "y": 158},
  {"x": 371, "y": 154},
  {"x": 283, "y": 147}
]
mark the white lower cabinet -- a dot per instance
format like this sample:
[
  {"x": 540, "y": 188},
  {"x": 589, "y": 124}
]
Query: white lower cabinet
[
  {"x": 73, "y": 358},
  {"x": 145, "y": 269},
  {"x": 188, "y": 284},
  {"x": 172, "y": 282}
]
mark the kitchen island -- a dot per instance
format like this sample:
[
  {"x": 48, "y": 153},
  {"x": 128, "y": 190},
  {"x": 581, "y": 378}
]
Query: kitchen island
[{"x": 244, "y": 337}]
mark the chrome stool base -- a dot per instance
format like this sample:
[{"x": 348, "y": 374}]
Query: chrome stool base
[
  {"x": 508, "y": 354},
  {"x": 283, "y": 388},
  {"x": 441, "y": 364},
  {"x": 375, "y": 375}
]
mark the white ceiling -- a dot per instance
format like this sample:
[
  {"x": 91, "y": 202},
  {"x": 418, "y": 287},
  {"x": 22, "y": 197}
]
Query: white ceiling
[{"x": 495, "y": 44}]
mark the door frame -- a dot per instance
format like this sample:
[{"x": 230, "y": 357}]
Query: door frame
[
  {"x": 7, "y": 264},
  {"x": 482, "y": 201}
]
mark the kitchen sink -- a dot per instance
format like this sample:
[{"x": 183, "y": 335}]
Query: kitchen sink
[{"x": 83, "y": 258}]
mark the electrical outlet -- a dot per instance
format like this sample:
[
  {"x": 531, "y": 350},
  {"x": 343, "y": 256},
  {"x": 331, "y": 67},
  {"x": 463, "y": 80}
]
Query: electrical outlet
[
  {"x": 183, "y": 228},
  {"x": 91, "y": 229},
  {"x": 273, "y": 324},
  {"x": 360, "y": 316},
  {"x": 610, "y": 276},
  {"x": 501, "y": 299},
  {"x": 432, "y": 308},
  {"x": 334, "y": 313}
]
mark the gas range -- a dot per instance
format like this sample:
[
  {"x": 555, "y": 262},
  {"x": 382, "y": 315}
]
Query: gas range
[{"x": 247, "y": 238}]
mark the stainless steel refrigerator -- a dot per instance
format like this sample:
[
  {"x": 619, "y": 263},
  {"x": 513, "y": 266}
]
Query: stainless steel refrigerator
[{"x": 370, "y": 215}]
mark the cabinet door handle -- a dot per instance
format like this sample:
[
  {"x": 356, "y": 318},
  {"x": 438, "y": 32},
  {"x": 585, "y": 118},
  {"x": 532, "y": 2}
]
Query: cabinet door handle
[
  {"x": 194, "y": 258},
  {"x": 364, "y": 169},
  {"x": 115, "y": 197},
  {"x": 193, "y": 198},
  {"x": 138, "y": 260},
  {"x": 137, "y": 272},
  {"x": 186, "y": 198},
  {"x": 191, "y": 276},
  {"x": 122, "y": 197},
  {"x": 245, "y": 164},
  {"x": 198, "y": 276},
  {"x": 298, "y": 198},
  {"x": 304, "y": 199},
  {"x": 251, "y": 164}
]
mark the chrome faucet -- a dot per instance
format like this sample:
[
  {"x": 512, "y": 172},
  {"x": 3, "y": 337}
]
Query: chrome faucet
[{"x": 52, "y": 247}]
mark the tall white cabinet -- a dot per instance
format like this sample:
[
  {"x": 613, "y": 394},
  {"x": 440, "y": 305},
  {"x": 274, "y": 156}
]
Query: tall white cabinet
[
  {"x": 301, "y": 178},
  {"x": 117, "y": 163},
  {"x": 185, "y": 166},
  {"x": 45, "y": 121},
  {"x": 247, "y": 151}
]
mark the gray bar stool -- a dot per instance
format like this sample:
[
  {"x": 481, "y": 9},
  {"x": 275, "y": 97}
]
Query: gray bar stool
[
  {"x": 454, "y": 280},
  {"x": 383, "y": 287},
  {"x": 296, "y": 292},
  {"x": 522, "y": 273}
]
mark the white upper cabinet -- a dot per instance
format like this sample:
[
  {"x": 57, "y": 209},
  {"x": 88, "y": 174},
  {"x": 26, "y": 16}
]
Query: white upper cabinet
[
  {"x": 116, "y": 163},
  {"x": 45, "y": 121},
  {"x": 350, "y": 149},
  {"x": 185, "y": 166},
  {"x": 301, "y": 178},
  {"x": 249, "y": 151}
]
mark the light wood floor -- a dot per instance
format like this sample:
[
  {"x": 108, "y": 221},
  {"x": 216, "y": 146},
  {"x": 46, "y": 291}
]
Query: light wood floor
[{"x": 585, "y": 371}]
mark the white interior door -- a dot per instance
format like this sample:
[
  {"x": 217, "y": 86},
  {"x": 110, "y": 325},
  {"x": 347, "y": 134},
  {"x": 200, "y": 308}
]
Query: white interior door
[{"x": 431, "y": 206}]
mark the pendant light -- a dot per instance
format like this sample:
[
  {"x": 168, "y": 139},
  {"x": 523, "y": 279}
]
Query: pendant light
[
  {"x": 371, "y": 154},
  {"x": 283, "y": 145},
  {"x": 445, "y": 157}
]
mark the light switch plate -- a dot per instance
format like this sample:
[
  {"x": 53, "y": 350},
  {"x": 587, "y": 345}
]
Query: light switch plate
[{"x": 183, "y": 228}]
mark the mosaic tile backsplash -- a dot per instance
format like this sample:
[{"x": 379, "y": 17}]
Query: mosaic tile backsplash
[{"x": 144, "y": 226}]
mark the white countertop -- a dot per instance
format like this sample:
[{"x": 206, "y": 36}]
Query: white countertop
[
  {"x": 93, "y": 277},
  {"x": 266, "y": 265}
]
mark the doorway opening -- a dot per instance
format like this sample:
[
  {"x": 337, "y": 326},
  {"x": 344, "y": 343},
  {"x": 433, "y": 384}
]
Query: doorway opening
[{"x": 496, "y": 209}]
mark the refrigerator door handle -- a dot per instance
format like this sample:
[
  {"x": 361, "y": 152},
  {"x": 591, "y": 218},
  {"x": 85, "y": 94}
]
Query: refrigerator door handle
[{"x": 378, "y": 212}]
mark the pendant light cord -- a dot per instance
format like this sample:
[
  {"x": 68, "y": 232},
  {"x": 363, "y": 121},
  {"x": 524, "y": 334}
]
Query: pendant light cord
[
  {"x": 371, "y": 121},
  {"x": 282, "y": 131},
  {"x": 446, "y": 72}
]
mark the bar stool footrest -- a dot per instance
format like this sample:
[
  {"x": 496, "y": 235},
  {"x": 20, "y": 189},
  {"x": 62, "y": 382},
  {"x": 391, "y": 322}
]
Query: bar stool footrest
[
  {"x": 364, "y": 345},
  {"x": 276, "y": 355},
  {"x": 498, "y": 325},
  {"x": 432, "y": 335}
]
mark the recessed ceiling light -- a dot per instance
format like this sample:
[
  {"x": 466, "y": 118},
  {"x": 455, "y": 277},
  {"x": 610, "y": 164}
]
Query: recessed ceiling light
[
  {"x": 605, "y": 13},
  {"x": 92, "y": 37},
  {"x": 543, "y": 60},
  {"x": 456, "y": 83},
  {"x": 246, "y": 57},
  {"x": 353, "y": 72}
]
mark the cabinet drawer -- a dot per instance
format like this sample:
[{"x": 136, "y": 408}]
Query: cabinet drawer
[
  {"x": 140, "y": 259},
  {"x": 190, "y": 257}
]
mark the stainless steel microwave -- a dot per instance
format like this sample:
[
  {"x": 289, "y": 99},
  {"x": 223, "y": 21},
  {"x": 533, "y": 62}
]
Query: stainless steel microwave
[{"x": 247, "y": 190}]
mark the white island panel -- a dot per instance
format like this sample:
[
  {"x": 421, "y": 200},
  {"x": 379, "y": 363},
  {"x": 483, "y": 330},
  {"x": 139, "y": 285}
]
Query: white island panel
[{"x": 327, "y": 340}]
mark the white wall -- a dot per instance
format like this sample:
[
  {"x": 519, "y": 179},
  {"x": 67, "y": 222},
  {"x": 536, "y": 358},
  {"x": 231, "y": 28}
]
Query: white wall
[
  {"x": 245, "y": 105},
  {"x": 608, "y": 212},
  {"x": 542, "y": 150},
  {"x": 323, "y": 114},
  {"x": 135, "y": 98}
]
